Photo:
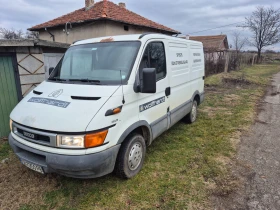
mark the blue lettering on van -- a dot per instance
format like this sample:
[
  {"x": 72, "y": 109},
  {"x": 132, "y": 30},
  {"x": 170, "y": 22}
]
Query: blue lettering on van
[
  {"x": 50, "y": 102},
  {"x": 151, "y": 104}
]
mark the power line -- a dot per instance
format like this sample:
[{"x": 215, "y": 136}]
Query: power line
[
  {"x": 236, "y": 29},
  {"x": 215, "y": 28}
]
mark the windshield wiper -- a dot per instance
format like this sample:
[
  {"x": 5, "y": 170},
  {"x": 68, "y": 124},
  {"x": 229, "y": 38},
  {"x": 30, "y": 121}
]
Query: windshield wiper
[
  {"x": 57, "y": 79},
  {"x": 85, "y": 80}
]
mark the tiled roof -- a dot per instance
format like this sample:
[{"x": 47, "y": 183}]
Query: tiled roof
[
  {"x": 212, "y": 42},
  {"x": 103, "y": 10}
]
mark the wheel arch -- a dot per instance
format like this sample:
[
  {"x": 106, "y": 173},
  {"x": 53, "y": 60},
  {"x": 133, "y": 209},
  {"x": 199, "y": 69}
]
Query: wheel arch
[
  {"x": 196, "y": 96},
  {"x": 141, "y": 127}
]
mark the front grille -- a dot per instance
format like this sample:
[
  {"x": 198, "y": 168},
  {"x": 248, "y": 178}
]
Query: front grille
[
  {"x": 37, "y": 136},
  {"x": 34, "y": 135}
]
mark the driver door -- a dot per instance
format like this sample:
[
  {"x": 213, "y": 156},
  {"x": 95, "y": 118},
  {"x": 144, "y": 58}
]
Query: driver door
[{"x": 153, "y": 108}]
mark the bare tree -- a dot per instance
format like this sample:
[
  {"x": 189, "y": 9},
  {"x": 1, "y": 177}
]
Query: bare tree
[
  {"x": 265, "y": 25},
  {"x": 17, "y": 34},
  {"x": 239, "y": 43},
  {"x": 11, "y": 33},
  {"x": 32, "y": 35}
]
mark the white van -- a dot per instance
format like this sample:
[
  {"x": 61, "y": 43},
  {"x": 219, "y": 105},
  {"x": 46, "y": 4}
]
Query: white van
[{"x": 105, "y": 102}]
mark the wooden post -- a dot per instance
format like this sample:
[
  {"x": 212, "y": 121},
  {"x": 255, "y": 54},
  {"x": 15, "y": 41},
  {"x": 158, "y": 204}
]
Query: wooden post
[
  {"x": 226, "y": 62},
  {"x": 253, "y": 60}
]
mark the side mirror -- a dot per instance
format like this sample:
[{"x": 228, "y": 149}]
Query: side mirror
[
  {"x": 148, "y": 80},
  {"x": 51, "y": 70}
]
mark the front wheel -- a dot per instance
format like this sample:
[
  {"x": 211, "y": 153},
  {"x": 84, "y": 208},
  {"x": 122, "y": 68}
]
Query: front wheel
[
  {"x": 131, "y": 157},
  {"x": 192, "y": 116}
]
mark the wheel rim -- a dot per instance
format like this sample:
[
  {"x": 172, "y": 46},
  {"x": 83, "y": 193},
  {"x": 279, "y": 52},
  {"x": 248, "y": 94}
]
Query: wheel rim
[
  {"x": 135, "y": 156},
  {"x": 194, "y": 112}
]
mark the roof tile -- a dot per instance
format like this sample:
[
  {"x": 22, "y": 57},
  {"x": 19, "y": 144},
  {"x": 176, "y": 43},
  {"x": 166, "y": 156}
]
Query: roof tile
[
  {"x": 211, "y": 42},
  {"x": 103, "y": 10}
]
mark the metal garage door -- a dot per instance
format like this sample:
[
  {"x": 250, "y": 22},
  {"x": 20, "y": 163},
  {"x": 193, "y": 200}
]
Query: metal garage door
[{"x": 8, "y": 93}]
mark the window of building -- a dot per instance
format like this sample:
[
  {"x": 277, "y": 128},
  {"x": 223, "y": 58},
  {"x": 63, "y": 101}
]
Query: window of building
[{"x": 126, "y": 28}]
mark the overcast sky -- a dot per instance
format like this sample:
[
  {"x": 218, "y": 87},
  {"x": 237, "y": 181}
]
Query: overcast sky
[{"x": 187, "y": 16}]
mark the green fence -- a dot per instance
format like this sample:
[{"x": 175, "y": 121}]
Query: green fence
[{"x": 8, "y": 93}]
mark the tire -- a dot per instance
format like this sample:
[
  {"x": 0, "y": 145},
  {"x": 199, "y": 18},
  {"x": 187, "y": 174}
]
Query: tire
[
  {"x": 131, "y": 157},
  {"x": 192, "y": 116}
]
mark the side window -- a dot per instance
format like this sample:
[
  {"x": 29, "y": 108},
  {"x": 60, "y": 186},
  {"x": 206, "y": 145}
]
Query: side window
[
  {"x": 154, "y": 57},
  {"x": 65, "y": 70}
]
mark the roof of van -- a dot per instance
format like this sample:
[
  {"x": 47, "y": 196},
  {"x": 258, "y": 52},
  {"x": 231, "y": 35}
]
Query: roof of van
[{"x": 133, "y": 37}]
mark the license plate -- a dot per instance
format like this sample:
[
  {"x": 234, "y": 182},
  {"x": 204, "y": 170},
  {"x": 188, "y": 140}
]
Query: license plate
[
  {"x": 29, "y": 135},
  {"x": 33, "y": 167}
]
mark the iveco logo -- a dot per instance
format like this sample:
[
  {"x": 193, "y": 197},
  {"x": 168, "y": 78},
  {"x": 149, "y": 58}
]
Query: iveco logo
[
  {"x": 30, "y": 135},
  {"x": 56, "y": 93}
]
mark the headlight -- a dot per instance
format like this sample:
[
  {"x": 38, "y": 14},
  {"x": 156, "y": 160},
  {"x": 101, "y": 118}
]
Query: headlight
[
  {"x": 70, "y": 141},
  {"x": 82, "y": 141}
]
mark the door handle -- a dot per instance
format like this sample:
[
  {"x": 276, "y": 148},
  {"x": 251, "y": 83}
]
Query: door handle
[{"x": 168, "y": 91}]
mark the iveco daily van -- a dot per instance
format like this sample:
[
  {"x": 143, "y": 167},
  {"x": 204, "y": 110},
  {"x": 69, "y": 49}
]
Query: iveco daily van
[{"x": 105, "y": 102}]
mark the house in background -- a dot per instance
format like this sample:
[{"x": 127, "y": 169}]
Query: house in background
[
  {"x": 216, "y": 49},
  {"x": 103, "y": 18}
]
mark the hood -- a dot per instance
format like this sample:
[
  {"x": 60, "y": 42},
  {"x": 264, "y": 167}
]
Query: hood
[{"x": 61, "y": 107}]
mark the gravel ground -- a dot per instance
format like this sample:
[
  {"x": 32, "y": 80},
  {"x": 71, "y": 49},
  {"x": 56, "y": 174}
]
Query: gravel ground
[{"x": 258, "y": 159}]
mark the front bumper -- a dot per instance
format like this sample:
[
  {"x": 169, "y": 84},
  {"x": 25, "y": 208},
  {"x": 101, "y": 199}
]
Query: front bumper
[{"x": 83, "y": 166}]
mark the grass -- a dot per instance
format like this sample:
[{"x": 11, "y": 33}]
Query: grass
[
  {"x": 258, "y": 75},
  {"x": 4, "y": 149},
  {"x": 185, "y": 165}
]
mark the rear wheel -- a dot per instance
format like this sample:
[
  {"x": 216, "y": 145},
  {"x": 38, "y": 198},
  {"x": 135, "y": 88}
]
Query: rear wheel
[
  {"x": 192, "y": 116},
  {"x": 131, "y": 157}
]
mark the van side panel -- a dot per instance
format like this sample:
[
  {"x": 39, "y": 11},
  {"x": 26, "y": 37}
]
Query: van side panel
[
  {"x": 179, "y": 63},
  {"x": 197, "y": 67},
  {"x": 179, "y": 78},
  {"x": 186, "y": 71}
]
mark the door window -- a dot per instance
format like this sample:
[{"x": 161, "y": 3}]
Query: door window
[{"x": 154, "y": 57}]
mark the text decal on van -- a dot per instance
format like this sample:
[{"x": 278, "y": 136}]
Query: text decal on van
[
  {"x": 51, "y": 102},
  {"x": 151, "y": 104}
]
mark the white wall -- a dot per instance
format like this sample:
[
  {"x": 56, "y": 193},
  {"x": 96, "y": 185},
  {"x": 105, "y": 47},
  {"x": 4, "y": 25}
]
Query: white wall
[{"x": 93, "y": 30}]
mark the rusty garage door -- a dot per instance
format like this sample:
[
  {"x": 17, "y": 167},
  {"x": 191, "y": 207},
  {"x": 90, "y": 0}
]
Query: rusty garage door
[{"x": 8, "y": 91}]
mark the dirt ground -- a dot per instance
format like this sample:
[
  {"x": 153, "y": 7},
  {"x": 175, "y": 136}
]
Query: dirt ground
[
  {"x": 258, "y": 160},
  {"x": 18, "y": 186}
]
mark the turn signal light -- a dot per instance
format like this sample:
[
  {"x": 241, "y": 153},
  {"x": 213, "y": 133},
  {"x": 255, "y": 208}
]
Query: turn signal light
[
  {"x": 111, "y": 112},
  {"x": 95, "y": 139},
  {"x": 117, "y": 110}
]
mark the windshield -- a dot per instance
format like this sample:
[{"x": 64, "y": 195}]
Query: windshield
[{"x": 98, "y": 63}]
